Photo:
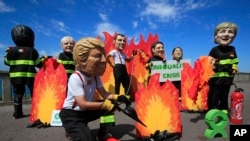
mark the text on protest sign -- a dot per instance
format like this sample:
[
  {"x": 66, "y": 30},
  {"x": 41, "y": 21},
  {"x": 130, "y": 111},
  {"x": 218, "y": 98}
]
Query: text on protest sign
[{"x": 171, "y": 69}]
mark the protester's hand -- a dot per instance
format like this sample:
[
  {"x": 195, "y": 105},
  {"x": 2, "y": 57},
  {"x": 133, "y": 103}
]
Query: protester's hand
[
  {"x": 7, "y": 50},
  {"x": 108, "y": 105},
  {"x": 149, "y": 65},
  {"x": 121, "y": 98},
  {"x": 45, "y": 58},
  {"x": 134, "y": 52},
  {"x": 235, "y": 69},
  {"x": 142, "y": 53},
  {"x": 211, "y": 61}
]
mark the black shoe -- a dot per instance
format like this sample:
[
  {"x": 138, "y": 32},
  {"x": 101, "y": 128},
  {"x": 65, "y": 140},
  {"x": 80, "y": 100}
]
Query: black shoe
[{"x": 17, "y": 116}]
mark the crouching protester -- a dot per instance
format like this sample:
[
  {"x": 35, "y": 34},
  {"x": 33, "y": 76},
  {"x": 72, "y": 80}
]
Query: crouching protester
[{"x": 79, "y": 108}]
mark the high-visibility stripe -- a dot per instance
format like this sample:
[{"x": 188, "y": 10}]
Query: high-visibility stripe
[
  {"x": 229, "y": 61},
  {"x": 70, "y": 71},
  {"x": 128, "y": 96},
  {"x": 236, "y": 60},
  {"x": 21, "y": 62},
  {"x": 222, "y": 74},
  {"x": 39, "y": 60},
  {"x": 107, "y": 119},
  {"x": 234, "y": 65},
  {"x": 22, "y": 74},
  {"x": 66, "y": 62}
]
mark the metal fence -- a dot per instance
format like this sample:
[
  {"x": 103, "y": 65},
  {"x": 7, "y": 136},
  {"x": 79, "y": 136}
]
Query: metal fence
[{"x": 6, "y": 94}]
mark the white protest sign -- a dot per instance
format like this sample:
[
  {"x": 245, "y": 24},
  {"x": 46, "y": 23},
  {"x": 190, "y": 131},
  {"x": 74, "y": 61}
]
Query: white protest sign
[
  {"x": 170, "y": 70},
  {"x": 55, "y": 119}
]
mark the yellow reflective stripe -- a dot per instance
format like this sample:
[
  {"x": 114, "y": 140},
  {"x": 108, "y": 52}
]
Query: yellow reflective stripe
[
  {"x": 6, "y": 60},
  {"x": 39, "y": 60},
  {"x": 128, "y": 96},
  {"x": 66, "y": 62},
  {"x": 107, "y": 119},
  {"x": 21, "y": 62},
  {"x": 70, "y": 71},
  {"x": 222, "y": 74},
  {"x": 235, "y": 60},
  {"x": 229, "y": 61},
  {"x": 22, "y": 74},
  {"x": 234, "y": 65}
]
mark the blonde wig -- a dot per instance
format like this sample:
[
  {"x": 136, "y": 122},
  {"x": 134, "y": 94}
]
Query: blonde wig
[
  {"x": 66, "y": 38},
  {"x": 225, "y": 25},
  {"x": 82, "y": 48}
]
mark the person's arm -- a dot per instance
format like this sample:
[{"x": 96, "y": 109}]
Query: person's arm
[
  {"x": 107, "y": 95},
  {"x": 76, "y": 90},
  {"x": 128, "y": 59},
  {"x": 104, "y": 93},
  {"x": 87, "y": 105},
  {"x": 6, "y": 57},
  {"x": 235, "y": 62},
  {"x": 109, "y": 61}
]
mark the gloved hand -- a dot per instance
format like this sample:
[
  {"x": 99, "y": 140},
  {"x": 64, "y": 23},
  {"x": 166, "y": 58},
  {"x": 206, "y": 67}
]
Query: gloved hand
[
  {"x": 149, "y": 65},
  {"x": 235, "y": 69},
  {"x": 108, "y": 105},
  {"x": 121, "y": 98},
  {"x": 134, "y": 52},
  {"x": 7, "y": 50},
  {"x": 142, "y": 54}
]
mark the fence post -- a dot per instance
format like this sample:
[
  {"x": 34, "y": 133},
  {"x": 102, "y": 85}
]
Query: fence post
[{"x": 6, "y": 88}]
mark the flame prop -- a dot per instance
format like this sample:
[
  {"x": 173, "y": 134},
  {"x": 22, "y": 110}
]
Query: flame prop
[
  {"x": 195, "y": 84},
  {"x": 136, "y": 68},
  {"x": 49, "y": 91},
  {"x": 157, "y": 107}
]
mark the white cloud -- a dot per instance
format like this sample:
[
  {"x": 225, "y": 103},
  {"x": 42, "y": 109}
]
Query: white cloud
[
  {"x": 162, "y": 10},
  {"x": 152, "y": 25},
  {"x": 103, "y": 17},
  {"x": 35, "y": 2},
  {"x": 107, "y": 27},
  {"x": 167, "y": 11},
  {"x": 4, "y": 8},
  {"x": 41, "y": 28},
  {"x": 135, "y": 24},
  {"x": 2, "y": 46},
  {"x": 72, "y": 2},
  {"x": 60, "y": 26}
]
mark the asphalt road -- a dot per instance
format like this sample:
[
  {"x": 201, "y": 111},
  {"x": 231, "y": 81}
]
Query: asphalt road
[{"x": 193, "y": 125}]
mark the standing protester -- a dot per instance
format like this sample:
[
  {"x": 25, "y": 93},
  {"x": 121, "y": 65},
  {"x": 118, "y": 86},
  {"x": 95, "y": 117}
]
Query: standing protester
[
  {"x": 80, "y": 107},
  {"x": 177, "y": 55},
  {"x": 119, "y": 65},
  {"x": 158, "y": 54},
  {"x": 224, "y": 65},
  {"x": 66, "y": 57},
  {"x": 22, "y": 60}
]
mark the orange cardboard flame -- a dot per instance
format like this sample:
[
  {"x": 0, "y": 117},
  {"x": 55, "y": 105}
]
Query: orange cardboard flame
[
  {"x": 195, "y": 84},
  {"x": 157, "y": 107},
  {"x": 136, "y": 68},
  {"x": 49, "y": 91}
]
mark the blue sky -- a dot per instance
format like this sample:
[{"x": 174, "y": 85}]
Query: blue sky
[{"x": 186, "y": 23}]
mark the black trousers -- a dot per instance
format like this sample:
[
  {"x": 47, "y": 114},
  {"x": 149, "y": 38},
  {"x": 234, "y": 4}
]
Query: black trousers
[
  {"x": 177, "y": 84},
  {"x": 121, "y": 77},
  {"x": 218, "y": 97},
  {"x": 19, "y": 90},
  {"x": 76, "y": 123}
]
